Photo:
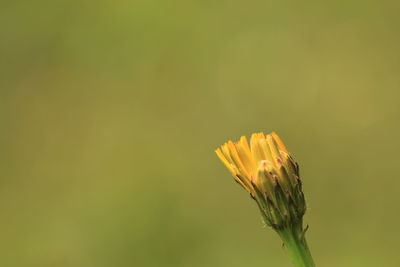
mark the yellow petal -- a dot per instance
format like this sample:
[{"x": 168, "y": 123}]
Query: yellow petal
[
  {"x": 237, "y": 160},
  {"x": 273, "y": 146},
  {"x": 227, "y": 164},
  {"x": 256, "y": 148},
  {"x": 245, "y": 155},
  {"x": 266, "y": 150},
  {"x": 278, "y": 140}
]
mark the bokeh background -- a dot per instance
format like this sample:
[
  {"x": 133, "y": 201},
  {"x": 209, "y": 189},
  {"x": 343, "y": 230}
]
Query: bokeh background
[{"x": 111, "y": 111}]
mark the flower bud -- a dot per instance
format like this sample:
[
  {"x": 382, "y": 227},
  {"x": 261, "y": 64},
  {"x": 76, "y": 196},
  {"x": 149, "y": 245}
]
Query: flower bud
[{"x": 269, "y": 173}]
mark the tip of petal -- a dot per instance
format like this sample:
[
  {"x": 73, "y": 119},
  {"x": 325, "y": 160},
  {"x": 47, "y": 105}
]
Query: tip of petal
[{"x": 279, "y": 141}]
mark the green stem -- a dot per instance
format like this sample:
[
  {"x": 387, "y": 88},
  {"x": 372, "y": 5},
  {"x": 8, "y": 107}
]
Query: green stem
[{"x": 296, "y": 245}]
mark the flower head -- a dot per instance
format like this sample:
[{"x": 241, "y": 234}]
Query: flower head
[{"x": 269, "y": 173}]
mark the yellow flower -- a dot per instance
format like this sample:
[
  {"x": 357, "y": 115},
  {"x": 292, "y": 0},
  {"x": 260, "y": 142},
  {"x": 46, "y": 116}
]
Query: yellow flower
[{"x": 268, "y": 172}]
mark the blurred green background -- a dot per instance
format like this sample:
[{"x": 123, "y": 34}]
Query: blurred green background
[{"x": 111, "y": 111}]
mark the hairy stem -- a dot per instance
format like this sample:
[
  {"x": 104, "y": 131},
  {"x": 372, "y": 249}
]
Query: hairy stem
[{"x": 296, "y": 245}]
